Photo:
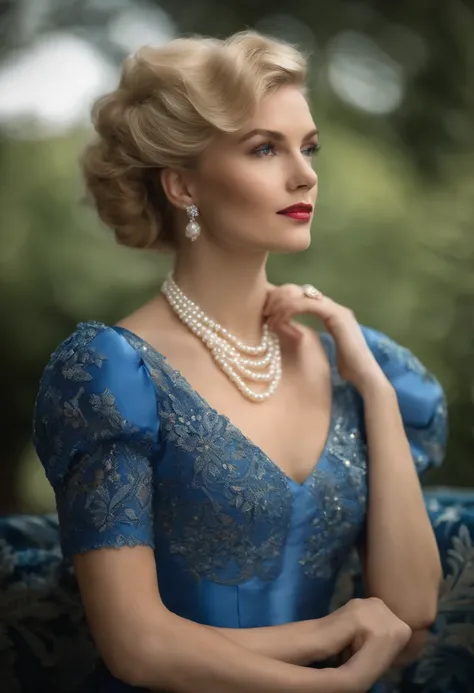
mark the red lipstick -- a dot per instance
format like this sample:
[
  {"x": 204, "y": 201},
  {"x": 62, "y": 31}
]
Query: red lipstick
[{"x": 300, "y": 211}]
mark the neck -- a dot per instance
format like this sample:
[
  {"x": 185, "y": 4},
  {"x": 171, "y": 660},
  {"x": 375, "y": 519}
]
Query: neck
[{"x": 230, "y": 291}]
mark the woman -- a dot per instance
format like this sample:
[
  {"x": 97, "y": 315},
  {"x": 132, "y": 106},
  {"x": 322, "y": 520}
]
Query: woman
[{"x": 210, "y": 456}]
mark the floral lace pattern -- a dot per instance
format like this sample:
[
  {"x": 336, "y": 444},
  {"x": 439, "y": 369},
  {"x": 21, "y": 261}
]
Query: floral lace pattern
[
  {"x": 390, "y": 351},
  {"x": 137, "y": 456},
  {"x": 340, "y": 490},
  {"x": 428, "y": 445},
  {"x": 98, "y": 462},
  {"x": 226, "y": 514}
]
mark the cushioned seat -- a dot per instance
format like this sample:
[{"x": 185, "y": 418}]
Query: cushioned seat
[{"x": 45, "y": 646}]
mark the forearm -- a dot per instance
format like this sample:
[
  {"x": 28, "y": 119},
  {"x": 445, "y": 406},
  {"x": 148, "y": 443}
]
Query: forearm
[
  {"x": 304, "y": 642},
  {"x": 300, "y": 643},
  {"x": 185, "y": 657},
  {"x": 402, "y": 564}
]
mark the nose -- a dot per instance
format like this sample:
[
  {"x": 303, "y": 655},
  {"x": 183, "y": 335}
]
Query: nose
[{"x": 303, "y": 175}]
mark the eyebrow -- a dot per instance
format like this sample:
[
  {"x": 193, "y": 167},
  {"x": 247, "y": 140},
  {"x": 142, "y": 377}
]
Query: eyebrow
[{"x": 274, "y": 133}]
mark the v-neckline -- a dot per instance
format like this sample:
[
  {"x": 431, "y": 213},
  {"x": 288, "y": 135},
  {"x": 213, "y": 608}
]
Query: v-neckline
[{"x": 172, "y": 371}]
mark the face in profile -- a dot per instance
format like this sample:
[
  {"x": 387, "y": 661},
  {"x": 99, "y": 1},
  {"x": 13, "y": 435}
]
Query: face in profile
[{"x": 246, "y": 180}]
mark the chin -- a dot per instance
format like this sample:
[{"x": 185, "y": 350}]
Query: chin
[{"x": 295, "y": 242}]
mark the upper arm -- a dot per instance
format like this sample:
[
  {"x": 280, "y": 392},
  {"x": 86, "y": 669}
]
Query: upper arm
[
  {"x": 420, "y": 397},
  {"x": 119, "y": 590},
  {"x": 95, "y": 431},
  {"x": 422, "y": 407}
]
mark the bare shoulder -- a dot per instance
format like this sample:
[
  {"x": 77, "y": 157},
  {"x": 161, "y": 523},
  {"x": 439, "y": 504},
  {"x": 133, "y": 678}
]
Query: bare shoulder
[
  {"x": 145, "y": 320},
  {"x": 155, "y": 323}
]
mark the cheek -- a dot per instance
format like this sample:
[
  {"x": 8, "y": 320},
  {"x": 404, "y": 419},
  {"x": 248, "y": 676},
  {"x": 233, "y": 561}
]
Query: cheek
[{"x": 246, "y": 187}]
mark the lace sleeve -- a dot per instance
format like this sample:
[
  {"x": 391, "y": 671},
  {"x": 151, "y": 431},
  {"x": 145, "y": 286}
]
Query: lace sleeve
[{"x": 95, "y": 432}]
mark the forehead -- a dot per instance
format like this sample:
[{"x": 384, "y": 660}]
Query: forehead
[{"x": 285, "y": 109}]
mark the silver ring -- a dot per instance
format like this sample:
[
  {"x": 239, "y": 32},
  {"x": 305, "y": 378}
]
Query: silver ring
[{"x": 312, "y": 292}]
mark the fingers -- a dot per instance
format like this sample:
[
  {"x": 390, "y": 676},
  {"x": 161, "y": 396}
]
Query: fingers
[
  {"x": 289, "y": 329},
  {"x": 288, "y": 296},
  {"x": 285, "y": 326},
  {"x": 282, "y": 308},
  {"x": 369, "y": 663},
  {"x": 380, "y": 638},
  {"x": 337, "y": 635},
  {"x": 278, "y": 312},
  {"x": 285, "y": 302}
]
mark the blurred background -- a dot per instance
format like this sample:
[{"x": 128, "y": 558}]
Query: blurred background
[{"x": 392, "y": 92}]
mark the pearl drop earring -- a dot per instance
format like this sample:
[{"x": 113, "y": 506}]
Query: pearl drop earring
[{"x": 193, "y": 229}]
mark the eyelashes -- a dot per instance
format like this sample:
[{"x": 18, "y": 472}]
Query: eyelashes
[{"x": 268, "y": 149}]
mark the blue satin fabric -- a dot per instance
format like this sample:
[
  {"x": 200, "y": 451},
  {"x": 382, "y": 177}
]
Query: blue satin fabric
[{"x": 137, "y": 457}]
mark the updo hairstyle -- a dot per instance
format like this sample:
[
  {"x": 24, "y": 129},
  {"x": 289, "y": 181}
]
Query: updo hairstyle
[{"x": 170, "y": 102}]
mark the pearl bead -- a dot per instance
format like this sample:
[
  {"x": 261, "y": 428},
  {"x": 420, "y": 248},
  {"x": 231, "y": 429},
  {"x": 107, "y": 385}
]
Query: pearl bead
[{"x": 227, "y": 350}]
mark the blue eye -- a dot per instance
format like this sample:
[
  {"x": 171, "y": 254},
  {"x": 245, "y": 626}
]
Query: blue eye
[
  {"x": 311, "y": 149},
  {"x": 264, "y": 150}
]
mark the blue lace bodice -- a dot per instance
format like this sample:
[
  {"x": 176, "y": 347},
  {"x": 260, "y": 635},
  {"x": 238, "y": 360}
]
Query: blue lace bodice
[{"x": 136, "y": 456}]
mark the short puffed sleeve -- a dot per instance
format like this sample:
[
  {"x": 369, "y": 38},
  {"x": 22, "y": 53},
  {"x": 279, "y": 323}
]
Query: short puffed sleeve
[
  {"x": 420, "y": 397},
  {"x": 95, "y": 432}
]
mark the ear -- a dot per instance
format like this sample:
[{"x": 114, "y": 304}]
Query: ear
[{"x": 177, "y": 187}]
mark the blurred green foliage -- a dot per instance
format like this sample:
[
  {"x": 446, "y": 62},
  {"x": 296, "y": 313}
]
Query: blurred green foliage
[{"x": 393, "y": 234}]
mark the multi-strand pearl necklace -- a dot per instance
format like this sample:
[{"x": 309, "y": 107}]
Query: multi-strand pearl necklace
[{"x": 230, "y": 354}]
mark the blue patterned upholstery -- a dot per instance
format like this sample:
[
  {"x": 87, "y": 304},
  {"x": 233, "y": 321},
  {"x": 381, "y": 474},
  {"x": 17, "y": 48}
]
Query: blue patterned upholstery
[{"x": 44, "y": 644}]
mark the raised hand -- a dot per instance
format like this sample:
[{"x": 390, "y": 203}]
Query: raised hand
[{"x": 355, "y": 360}]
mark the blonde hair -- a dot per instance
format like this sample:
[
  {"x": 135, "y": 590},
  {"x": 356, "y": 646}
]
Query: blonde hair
[{"x": 169, "y": 103}]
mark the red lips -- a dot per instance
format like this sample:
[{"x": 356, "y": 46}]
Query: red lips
[{"x": 301, "y": 207}]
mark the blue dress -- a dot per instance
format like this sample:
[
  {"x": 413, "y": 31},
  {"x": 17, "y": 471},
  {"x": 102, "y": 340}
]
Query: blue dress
[{"x": 137, "y": 457}]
